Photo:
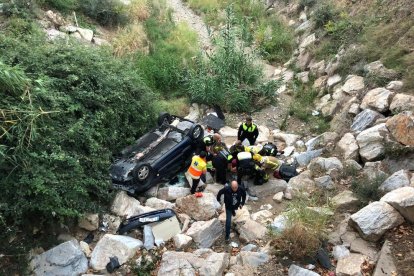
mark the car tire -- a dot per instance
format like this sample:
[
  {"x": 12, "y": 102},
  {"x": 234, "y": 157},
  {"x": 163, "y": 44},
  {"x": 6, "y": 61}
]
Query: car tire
[
  {"x": 142, "y": 178},
  {"x": 163, "y": 118},
  {"x": 196, "y": 132}
]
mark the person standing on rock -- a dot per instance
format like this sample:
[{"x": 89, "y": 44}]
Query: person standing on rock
[
  {"x": 248, "y": 130},
  {"x": 197, "y": 169},
  {"x": 234, "y": 198}
]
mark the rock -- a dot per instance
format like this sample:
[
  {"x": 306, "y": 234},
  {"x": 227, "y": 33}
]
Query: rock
[
  {"x": 262, "y": 216},
  {"x": 122, "y": 247},
  {"x": 349, "y": 147},
  {"x": 303, "y": 60},
  {"x": 157, "y": 203},
  {"x": 385, "y": 265},
  {"x": 378, "y": 70},
  {"x": 89, "y": 222},
  {"x": 302, "y": 183},
  {"x": 228, "y": 132},
  {"x": 65, "y": 259},
  {"x": 340, "y": 251},
  {"x": 401, "y": 127},
  {"x": 194, "y": 113},
  {"x": 324, "y": 101},
  {"x": 396, "y": 180},
  {"x": 303, "y": 77},
  {"x": 317, "y": 68},
  {"x": 242, "y": 215},
  {"x": 307, "y": 25},
  {"x": 100, "y": 41},
  {"x": 353, "y": 85},
  {"x": 110, "y": 223},
  {"x": 202, "y": 208},
  {"x": 253, "y": 259},
  {"x": 323, "y": 165},
  {"x": 53, "y": 34},
  {"x": 378, "y": 99},
  {"x": 249, "y": 247},
  {"x": 68, "y": 29},
  {"x": 250, "y": 230},
  {"x": 55, "y": 18},
  {"x": 295, "y": 270},
  {"x": 371, "y": 142},
  {"x": 85, "y": 248},
  {"x": 264, "y": 134},
  {"x": 352, "y": 166},
  {"x": 239, "y": 270},
  {"x": 321, "y": 141},
  {"x": 125, "y": 205},
  {"x": 365, "y": 119},
  {"x": 182, "y": 241},
  {"x": 172, "y": 193},
  {"x": 346, "y": 201},
  {"x": 148, "y": 238},
  {"x": 320, "y": 82},
  {"x": 395, "y": 85},
  {"x": 303, "y": 159},
  {"x": 310, "y": 39},
  {"x": 402, "y": 199},
  {"x": 321, "y": 211},
  {"x": 365, "y": 248},
  {"x": 288, "y": 139},
  {"x": 402, "y": 102},
  {"x": 278, "y": 197},
  {"x": 333, "y": 80},
  {"x": 354, "y": 109},
  {"x": 203, "y": 262},
  {"x": 330, "y": 109},
  {"x": 335, "y": 236},
  {"x": 271, "y": 187},
  {"x": 350, "y": 265},
  {"x": 205, "y": 233},
  {"x": 85, "y": 34},
  {"x": 280, "y": 222},
  {"x": 325, "y": 182},
  {"x": 375, "y": 219}
]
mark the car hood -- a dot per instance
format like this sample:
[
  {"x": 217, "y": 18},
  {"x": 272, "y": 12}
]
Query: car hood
[{"x": 122, "y": 169}]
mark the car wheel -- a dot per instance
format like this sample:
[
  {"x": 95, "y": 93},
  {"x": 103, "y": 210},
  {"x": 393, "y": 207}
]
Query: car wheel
[
  {"x": 196, "y": 132},
  {"x": 164, "y": 118},
  {"x": 142, "y": 172}
]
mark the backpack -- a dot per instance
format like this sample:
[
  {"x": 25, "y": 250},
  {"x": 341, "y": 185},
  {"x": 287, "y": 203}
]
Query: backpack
[
  {"x": 286, "y": 172},
  {"x": 269, "y": 149}
]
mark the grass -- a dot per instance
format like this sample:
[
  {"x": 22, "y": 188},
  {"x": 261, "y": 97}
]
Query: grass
[
  {"x": 130, "y": 39},
  {"x": 178, "y": 106},
  {"x": 367, "y": 189}
]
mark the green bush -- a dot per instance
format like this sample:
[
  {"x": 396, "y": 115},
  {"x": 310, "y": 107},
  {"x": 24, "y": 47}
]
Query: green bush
[
  {"x": 366, "y": 189},
  {"x": 106, "y": 12},
  {"x": 307, "y": 3},
  {"x": 324, "y": 13},
  {"x": 63, "y": 5}
]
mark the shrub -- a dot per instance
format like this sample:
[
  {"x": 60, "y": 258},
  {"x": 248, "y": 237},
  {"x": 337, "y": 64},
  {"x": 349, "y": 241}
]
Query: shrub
[
  {"x": 366, "y": 188},
  {"x": 307, "y": 3},
  {"x": 130, "y": 40},
  {"x": 324, "y": 13},
  {"x": 63, "y": 5},
  {"x": 106, "y": 12}
]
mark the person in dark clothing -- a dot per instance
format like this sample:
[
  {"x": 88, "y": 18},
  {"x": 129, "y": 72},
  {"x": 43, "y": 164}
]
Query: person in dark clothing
[
  {"x": 221, "y": 163},
  {"x": 248, "y": 131},
  {"x": 234, "y": 198}
]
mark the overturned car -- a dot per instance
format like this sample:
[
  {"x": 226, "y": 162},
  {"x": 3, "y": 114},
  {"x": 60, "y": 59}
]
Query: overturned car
[{"x": 158, "y": 155}]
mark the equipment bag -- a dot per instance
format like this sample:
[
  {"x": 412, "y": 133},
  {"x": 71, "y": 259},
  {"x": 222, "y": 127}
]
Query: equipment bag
[{"x": 286, "y": 172}]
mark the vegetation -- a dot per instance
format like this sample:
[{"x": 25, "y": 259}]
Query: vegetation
[{"x": 366, "y": 188}]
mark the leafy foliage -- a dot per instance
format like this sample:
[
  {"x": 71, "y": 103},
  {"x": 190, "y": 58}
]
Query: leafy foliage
[{"x": 366, "y": 188}]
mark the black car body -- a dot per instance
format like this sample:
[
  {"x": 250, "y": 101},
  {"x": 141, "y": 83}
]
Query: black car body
[
  {"x": 158, "y": 155},
  {"x": 143, "y": 219}
]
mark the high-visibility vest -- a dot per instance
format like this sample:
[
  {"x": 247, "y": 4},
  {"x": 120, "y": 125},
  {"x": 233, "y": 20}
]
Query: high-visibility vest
[
  {"x": 226, "y": 154},
  {"x": 249, "y": 129},
  {"x": 198, "y": 167},
  {"x": 253, "y": 149}
]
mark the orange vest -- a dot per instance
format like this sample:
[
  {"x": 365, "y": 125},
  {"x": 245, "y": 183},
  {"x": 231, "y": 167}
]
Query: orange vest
[{"x": 198, "y": 167}]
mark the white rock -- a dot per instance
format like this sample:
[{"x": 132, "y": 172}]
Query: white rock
[
  {"x": 402, "y": 199},
  {"x": 149, "y": 240},
  {"x": 323, "y": 165},
  {"x": 324, "y": 101},
  {"x": 371, "y": 142},
  {"x": 194, "y": 113},
  {"x": 251, "y": 230},
  {"x": 305, "y": 158},
  {"x": 395, "y": 85},
  {"x": 375, "y": 219},
  {"x": 321, "y": 141},
  {"x": 280, "y": 222},
  {"x": 157, "y": 203},
  {"x": 85, "y": 34},
  {"x": 335, "y": 79},
  {"x": 325, "y": 182},
  {"x": 252, "y": 259},
  {"x": 172, "y": 193},
  {"x": 288, "y": 139},
  {"x": 396, "y": 180},
  {"x": 264, "y": 134},
  {"x": 278, "y": 197},
  {"x": 402, "y": 102},
  {"x": 303, "y": 183},
  {"x": 53, "y": 34},
  {"x": 310, "y": 39},
  {"x": 365, "y": 119},
  {"x": 378, "y": 99},
  {"x": 242, "y": 215},
  {"x": 125, "y": 206},
  {"x": 262, "y": 216},
  {"x": 320, "y": 82},
  {"x": 228, "y": 132},
  {"x": 182, "y": 241},
  {"x": 85, "y": 248},
  {"x": 89, "y": 222},
  {"x": 317, "y": 68},
  {"x": 354, "y": 109},
  {"x": 349, "y": 147},
  {"x": 340, "y": 251},
  {"x": 353, "y": 85},
  {"x": 303, "y": 17},
  {"x": 365, "y": 248},
  {"x": 266, "y": 207},
  {"x": 295, "y": 270},
  {"x": 303, "y": 77},
  {"x": 201, "y": 208},
  {"x": 205, "y": 233},
  {"x": 350, "y": 266},
  {"x": 385, "y": 265},
  {"x": 346, "y": 201},
  {"x": 122, "y": 247}
]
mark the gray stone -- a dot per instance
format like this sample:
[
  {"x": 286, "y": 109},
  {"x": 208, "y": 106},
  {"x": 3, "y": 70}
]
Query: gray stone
[
  {"x": 402, "y": 102},
  {"x": 396, "y": 180},
  {"x": 352, "y": 166},
  {"x": 321, "y": 165},
  {"x": 288, "y": 139},
  {"x": 349, "y": 147},
  {"x": 321, "y": 141},
  {"x": 375, "y": 219},
  {"x": 262, "y": 216},
  {"x": 253, "y": 259},
  {"x": 320, "y": 83},
  {"x": 353, "y": 85},
  {"x": 148, "y": 238},
  {"x": 250, "y": 230},
  {"x": 205, "y": 233},
  {"x": 303, "y": 77},
  {"x": 295, "y": 270},
  {"x": 201, "y": 208},
  {"x": 110, "y": 223},
  {"x": 317, "y": 68},
  {"x": 385, "y": 265},
  {"x": 122, "y": 247},
  {"x": 378, "y": 70},
  {"x": 365, "y": 248},
  {"x": 371, "y": 142},
  {"x": 278, "y": 197},
  {"x": 350, "y": 265},
  {"x": 402, "y": 199},
  {"x": 89, "y": 222},
  {"x": 65, "y": 259},
  {"x": 331, "y": 108},
  {"x": 325, "y": 182},
  {"x": 85, "y": 34},
  {"x": 182, "y": 241},
  {"x": 395, "y": 85},
  {"x": 280, "y": 223},
  {"x": 271, "y": 187},
  {"x": 303, "y": 60},
  {"x": 333, "y": 80},
  {"x": 227, "y": 131},
  {"x": 172, "y": 193},
  {"x": 53, "y": 34},
  {"x": 249, "y": 247},
  {"x": 365, "y": 119},
  {"x": 68, "y": 29},
  {"x": 340, "y": 251},
  {"x": 378, "y": 99},
  {"x": 307, "y": 25},
  {"x": 303, "y": 183},
  {"x": 303, "y": 159},
  {"x": 310, "y": 39},
  {"x": 157, "y": 203},
  {"x": 346, "y": 201},
  {"x": 125, "y": 206}
]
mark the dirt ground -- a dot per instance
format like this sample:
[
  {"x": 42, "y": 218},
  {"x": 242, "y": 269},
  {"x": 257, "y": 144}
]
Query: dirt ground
[{"x": 402, "y": 239}]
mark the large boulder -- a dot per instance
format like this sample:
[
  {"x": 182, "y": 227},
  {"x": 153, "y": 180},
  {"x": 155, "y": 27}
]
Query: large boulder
[
  {"x": 242, "y": 215},
  {"x": 227, "y": 131},
  {"x": 172, "y": 193},
  {"x": 401, "y": 127},
  {"x": 157, "y": 203},
  {"x": 125, "y": 206},
  {"x": 353, "y": 85},
  {"x": 365, "y": 248},
  {"x": 262, "y": 216},
  {"x": 89, "y": 222},
  {"x": 317, "y": 68},
  {"x": 371, "y": 142},
  {"x": 271, "y": 187},
  {"x": 251, "y": 230},
  {"x": 65, "y": 259},
  {"x": 321, "y": 165},
  {"x": 378, "y": 70},
  {"x": 395, "y": 85},
  {"x": 375, "y": 219},
  {"x": 201, "y": 262},
  {"x": 365, "y": 119},
  {"x": 199, "y": 208},
  {"x": 86, "y": 34},
  {"x": 295, "y": 270},
  {"x": 303, "y": 182},
  {"x": 396, "y": 180},
  {"x": 321, "y": 141},
  {"x": 303, "y": 159},
  {"x": 264, "y": 134},
  {"x": 349, "y": 147},
  {"x": 325, "y": 182},
  {"x": 346, "y": 201},
  {"x": 122, "y": 247},
  {"x": 385, "y": 265},
  {"x": 350, "y": 265},
  {"x": 253, "y": 259},
  {"x": 205, "y": 233},
  {"x": 378, "y": 99},
  {"x": 402, "y": 199},
  {"x": 310, "y": 39},
  {"x": 402, "y": 102},
  {"x": 333, "y": 80},
  {"x": 288, "y": 139}
]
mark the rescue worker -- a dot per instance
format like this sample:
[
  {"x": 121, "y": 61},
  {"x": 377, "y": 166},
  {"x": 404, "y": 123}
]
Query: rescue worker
[
  {"x": 197, "y": 169},
  {"x": 221, "y": 163},
  {"x": 245, "y": 167},
  {"x": 267, "y": 162},
  {"x": 254, "y": 149},
  {"x": 248, "y": 130},
  {"x": 234, "y": 198}
]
